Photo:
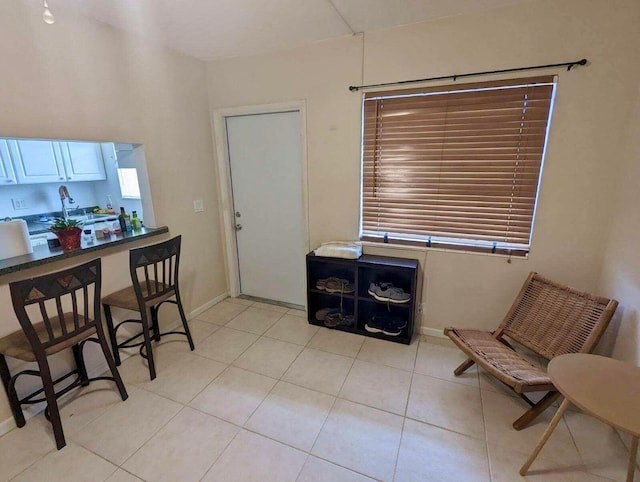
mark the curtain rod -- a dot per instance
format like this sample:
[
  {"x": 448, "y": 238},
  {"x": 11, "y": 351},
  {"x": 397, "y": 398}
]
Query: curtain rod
[{"x": 568, "y": 65}]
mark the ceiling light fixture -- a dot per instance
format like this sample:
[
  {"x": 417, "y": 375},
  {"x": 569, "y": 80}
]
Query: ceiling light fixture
[{"x": 47, "y": 16}]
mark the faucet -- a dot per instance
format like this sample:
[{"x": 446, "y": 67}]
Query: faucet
[{"x": 64, "y": 194}]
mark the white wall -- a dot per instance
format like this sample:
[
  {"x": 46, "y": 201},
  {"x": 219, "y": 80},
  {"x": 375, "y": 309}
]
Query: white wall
[
  {"x": 592, "y": 103},
  {"x": 81, "y": 80},
  {"x": 43, "y": 198},
  {"x": 621, "y": 272}
]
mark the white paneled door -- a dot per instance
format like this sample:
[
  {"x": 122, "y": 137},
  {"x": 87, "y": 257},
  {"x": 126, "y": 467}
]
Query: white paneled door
[{"x": 265, "y": 155}]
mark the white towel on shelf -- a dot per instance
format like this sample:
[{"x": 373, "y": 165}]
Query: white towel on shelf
[{"x": 340, "y": 249}]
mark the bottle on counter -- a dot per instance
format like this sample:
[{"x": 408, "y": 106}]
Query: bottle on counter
[
  {"x": 136, "y": 223},
  {"x": 109, "y": 202},
  {"x": 125, "y": 221}
]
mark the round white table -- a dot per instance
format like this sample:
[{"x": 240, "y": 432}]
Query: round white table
[{"x": 602, "y": 387}]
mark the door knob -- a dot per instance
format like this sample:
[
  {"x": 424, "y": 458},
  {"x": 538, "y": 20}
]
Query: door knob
[{"x": 238, "y": 227}]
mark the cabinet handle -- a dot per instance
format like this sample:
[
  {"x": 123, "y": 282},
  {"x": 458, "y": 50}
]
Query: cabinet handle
[
  {"x": 9, "y": 181},
  {"x": 62, "y": 178},
  {"x": 69, "y": 179}
]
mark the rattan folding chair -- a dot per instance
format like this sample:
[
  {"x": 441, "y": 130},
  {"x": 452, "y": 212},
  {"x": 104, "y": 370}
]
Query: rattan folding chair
[{"x": 549, "y": 319}]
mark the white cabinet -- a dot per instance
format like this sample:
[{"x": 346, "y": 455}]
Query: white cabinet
[
  {"x": 36, "y": 161},
  {"x": 7, "y": 174},
  {"x": 83, "y": 161},
  {"x": 42, "y": 161}
]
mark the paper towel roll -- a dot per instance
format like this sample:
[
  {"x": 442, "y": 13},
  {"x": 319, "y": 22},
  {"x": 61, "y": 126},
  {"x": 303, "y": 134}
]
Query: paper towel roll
[{"x": 14, "y": 239}]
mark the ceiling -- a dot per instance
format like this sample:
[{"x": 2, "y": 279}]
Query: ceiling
[{"x": 214, "y": 29}]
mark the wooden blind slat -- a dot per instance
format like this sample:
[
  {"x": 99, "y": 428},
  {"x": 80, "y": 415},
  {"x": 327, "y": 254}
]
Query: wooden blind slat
[{"x": 454, "y": 161}]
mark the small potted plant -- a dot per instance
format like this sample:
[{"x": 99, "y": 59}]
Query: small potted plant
[{"x": 68, "y": 231}]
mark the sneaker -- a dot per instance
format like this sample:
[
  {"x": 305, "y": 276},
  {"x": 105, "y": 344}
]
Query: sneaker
[
  {"x": 386, "y": 325},
  {"x": 338, "y": 319},
  {"x": 388, "y": 293},
  {"x": 337, "y": 285}
]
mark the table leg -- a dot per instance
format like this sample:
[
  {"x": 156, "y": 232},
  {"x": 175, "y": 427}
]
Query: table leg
[
  {"x": 632, "y": 459},
  {"x": 545, "y": 436}
]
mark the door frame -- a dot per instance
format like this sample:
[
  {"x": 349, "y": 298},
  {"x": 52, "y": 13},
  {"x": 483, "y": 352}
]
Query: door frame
[{"x": 224, "y": 177}]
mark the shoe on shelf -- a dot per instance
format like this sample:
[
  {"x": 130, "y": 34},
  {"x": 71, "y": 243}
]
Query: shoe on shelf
[
  {"x": 338, "y": 285},
  {"x": 333, "y": 319},
  {"x": 322, "y": 313},
  {"x": 385, "y": 324},
  {"x": 388, "y": 293},
  {"x": 321, "y": 284}
]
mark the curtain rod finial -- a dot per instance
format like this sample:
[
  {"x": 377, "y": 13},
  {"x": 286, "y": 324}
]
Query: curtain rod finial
[
  {"x": 579, "y": 62},
  {"x": 353, "y": 88}
]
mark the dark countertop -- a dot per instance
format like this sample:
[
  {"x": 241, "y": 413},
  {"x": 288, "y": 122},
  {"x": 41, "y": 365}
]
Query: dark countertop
[{"x": 43, "y": 254}]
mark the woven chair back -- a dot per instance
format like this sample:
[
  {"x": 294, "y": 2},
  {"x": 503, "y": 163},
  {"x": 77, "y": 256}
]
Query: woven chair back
[
  {"x": 67, "y": 303},
  {"x": 552, "y": 319}
]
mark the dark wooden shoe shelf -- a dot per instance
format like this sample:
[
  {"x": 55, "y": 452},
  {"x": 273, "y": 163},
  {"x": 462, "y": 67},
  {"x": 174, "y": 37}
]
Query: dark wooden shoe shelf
[{"x": 402, "y": 272}]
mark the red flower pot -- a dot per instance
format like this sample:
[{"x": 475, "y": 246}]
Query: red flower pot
[{"x": 69, "y": 238}]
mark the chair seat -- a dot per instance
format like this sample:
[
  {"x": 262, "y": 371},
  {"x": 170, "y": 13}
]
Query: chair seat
[
  {"x": 16, "y": 345},
  {"x": 126, "y": 297},
  {"x": 502, "y": 362}
]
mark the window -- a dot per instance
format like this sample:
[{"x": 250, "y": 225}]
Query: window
[
  {"x": 128, "y": 178},
  {"x": 455, "y": 166}
]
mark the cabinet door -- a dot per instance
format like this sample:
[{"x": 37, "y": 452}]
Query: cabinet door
[
  {"x": 83, "y": 161},
  {"x": 7, "y": 174},
  {"x": 36, "y": 161}
]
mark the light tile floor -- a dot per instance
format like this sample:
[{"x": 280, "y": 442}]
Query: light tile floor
[{"x": 267, "y": 397}]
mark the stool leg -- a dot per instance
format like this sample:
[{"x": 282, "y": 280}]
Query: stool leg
[
  {"x": 147, "y": 343},
  {"x": 545, "y": 436},
  {"x": 155, "y": 323},
  {"x": 112, "y": 366},
  {"x": 633, "y": 452},
  {"x": 14, "y": 403},
  {"x": 112, "y": 334},
  {"x": 52, "y": 401},
  {"x": 82, "y": 369},
  {"x": 184, "y": 320}
]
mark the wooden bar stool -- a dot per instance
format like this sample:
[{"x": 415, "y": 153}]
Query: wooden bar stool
[
  {"x": 48, "y": 298},
  {"x": 154, "y": 274}
]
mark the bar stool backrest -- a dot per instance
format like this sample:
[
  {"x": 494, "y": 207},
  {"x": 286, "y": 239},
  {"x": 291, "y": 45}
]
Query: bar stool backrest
[
  {"x": 74, "y": 291},
  {"x": 154, "y": 271}
]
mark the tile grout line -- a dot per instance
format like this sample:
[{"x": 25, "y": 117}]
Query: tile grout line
[
  {"x": 242, "y": 427},
  {"x": 484, "y": 428},
  {"x": 221, "y": 452},
  {"x": 406, "y": 408},
  {"x": 283, "y": 381},
  {"x": 336, "y": 398},
  {"x": 183, "y": 406}
]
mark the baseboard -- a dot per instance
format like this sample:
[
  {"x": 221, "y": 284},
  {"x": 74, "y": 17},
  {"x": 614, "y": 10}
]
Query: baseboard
[
  {"x": 435, "y": 332},
  {"x": 29, "y": 412},
  {"x": 207, "y": 305}
]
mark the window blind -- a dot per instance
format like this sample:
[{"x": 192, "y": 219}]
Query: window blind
[{"x": 455, "y": 165}]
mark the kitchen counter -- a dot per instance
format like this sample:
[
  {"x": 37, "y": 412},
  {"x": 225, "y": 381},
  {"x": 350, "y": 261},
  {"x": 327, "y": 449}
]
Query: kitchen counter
[{"x": 43, "y": 254}]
